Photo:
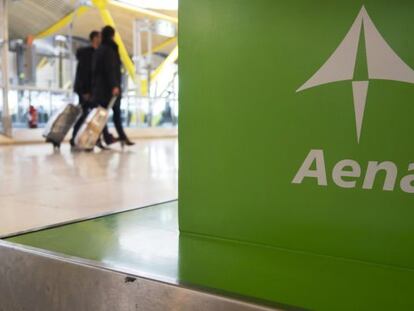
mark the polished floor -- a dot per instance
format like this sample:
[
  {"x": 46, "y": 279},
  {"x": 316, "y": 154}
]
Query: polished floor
[{"x": 40, "y": 187}]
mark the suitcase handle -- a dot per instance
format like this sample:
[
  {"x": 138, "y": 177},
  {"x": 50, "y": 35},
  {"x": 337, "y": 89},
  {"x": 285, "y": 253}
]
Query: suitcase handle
[{"x": 112, "y": 102}]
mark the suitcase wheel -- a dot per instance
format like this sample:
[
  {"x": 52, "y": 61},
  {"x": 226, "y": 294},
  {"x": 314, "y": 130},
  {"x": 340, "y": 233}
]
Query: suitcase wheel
[{"x": 55, "y": 144}]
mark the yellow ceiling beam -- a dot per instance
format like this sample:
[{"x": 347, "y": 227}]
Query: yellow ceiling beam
[
  {"x": 162, "y": 46},
  {"x": 172, "y": 58},
  {"x": 106, "y": 16},
  {"x": 102, "y": 6},
  {"x": 61, "y": 23},
  {"x": 146, "y": 12},
  {"x": 43, "y": 62}
]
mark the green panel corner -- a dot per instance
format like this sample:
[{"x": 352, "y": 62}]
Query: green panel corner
[{"x": 245, "y": 131}]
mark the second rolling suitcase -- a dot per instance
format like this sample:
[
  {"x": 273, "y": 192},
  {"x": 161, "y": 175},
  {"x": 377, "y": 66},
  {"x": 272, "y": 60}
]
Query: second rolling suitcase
[
  {"x": 60, "y": 124},
  {"x": 90, "y": 131}
]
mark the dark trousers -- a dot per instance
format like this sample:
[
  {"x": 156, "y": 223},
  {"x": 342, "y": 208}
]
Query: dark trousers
[{"x": 117, "y": 118}]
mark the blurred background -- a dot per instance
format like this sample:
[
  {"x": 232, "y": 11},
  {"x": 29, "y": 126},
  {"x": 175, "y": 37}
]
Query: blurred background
[{"x": 38, "y": 42}]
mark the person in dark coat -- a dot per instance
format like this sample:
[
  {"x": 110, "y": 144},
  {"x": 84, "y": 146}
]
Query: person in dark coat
[
  {"x": 106, "y": 80},
  {"x": 83, "y": 82}
]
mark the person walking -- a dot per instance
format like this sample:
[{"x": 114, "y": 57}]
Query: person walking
[
  {"x": 83, "y": 83},
  {"x": 106, "y": 80}
]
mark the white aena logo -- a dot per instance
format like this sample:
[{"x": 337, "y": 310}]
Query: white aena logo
[{"x": 383, "y": 64}]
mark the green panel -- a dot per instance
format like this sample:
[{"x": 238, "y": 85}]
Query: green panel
[
  {"x": 245, "y": 132},
  {"x": 300, "y": 279}
]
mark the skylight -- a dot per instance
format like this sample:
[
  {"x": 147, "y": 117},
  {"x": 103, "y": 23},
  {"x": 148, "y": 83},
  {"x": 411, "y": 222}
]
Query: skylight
[{"x": 154, "y": 4}]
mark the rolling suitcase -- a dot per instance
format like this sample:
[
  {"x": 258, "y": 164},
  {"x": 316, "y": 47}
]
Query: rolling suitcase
[
  {"x": 60, "y": 124},
  {"x": 94, "y": 124}
]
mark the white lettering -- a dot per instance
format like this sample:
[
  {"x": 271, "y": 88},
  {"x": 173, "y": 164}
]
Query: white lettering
[
  {"x": 346, "y": 173},
  {"x": 390, "y": 169},
  {"x": 305, "y": 171},
  {"x": 339, "y": 173},
  {"x": 407, "y": 182}
]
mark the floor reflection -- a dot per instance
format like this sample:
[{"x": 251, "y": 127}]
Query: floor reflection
[{"x": 39, "y": 187}]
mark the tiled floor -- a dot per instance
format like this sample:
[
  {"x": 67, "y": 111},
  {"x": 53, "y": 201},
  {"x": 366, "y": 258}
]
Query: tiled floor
[{"x": 39, "y": 187}]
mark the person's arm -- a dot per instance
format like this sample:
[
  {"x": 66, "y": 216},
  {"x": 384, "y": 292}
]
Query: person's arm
[
  {"x": 82, "y": 84},
  {"x": 77, "y": 86},
  {"x": 110, "y": 71}
]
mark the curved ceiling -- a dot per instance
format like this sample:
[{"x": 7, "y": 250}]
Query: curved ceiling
[{"x": 30, "y": 17}]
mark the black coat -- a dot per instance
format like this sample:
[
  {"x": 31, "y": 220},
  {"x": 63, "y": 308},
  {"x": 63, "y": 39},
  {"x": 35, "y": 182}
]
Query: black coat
[
  {"x": 106, "y": 72},
  {"x": 83, "y": 79}
]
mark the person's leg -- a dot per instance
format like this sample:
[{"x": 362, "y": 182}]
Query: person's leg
[
  {"x": 118, "y": 125},
  {"x": 107, "y": 135},
  {"x": 118, "y": 121}
]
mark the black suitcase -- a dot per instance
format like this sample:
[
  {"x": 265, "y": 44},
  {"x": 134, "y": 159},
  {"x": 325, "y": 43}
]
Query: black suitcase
[{"x": 60, "y": 124}]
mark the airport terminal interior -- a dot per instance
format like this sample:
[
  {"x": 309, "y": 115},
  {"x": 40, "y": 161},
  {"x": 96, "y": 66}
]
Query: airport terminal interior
[{"x": 207, "y": 155}]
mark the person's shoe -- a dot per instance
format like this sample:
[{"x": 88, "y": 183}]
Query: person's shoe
[
  {"x": 112, "y": 140},
  {"x": 73, "y": 146},
  {"x": 126, "y": 142},
  {"x": 101, "y": 146}
]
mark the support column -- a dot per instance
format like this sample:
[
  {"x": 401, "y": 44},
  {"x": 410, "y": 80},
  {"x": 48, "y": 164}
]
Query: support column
[{"x": 7, "y": 126}]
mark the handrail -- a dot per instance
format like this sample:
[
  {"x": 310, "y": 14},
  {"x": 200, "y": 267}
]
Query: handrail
[
  {"x": 64, "y": 91},
  {"x": 38, "y": 89}
]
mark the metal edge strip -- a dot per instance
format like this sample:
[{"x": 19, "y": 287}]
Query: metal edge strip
[{"x": 264, "y": 305}]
